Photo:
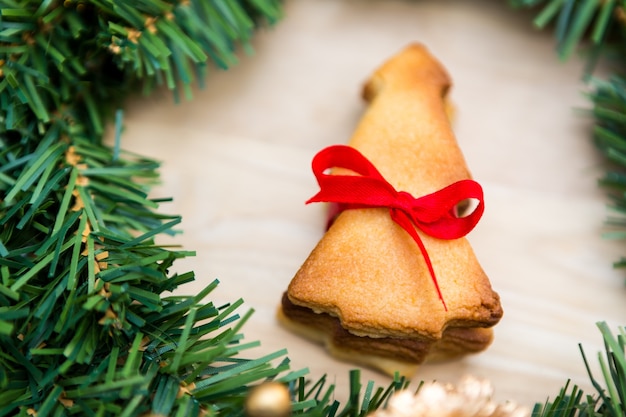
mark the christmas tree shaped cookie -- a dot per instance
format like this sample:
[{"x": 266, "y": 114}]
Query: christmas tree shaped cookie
[{"x": 394, "y": 282}]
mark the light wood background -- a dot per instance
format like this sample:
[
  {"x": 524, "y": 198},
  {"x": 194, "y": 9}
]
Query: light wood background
[{"x": 237, "y": 162}]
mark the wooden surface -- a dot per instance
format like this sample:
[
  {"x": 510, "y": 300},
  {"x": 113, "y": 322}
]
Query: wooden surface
[{"x": 237, "y": 162}]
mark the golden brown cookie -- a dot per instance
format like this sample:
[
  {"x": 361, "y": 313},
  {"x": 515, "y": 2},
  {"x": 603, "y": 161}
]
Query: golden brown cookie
[{"x": 365, "y": 290}]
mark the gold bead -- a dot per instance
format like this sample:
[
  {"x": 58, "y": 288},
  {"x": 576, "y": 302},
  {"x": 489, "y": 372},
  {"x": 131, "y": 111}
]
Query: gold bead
[{"x": 270, "y": 399}]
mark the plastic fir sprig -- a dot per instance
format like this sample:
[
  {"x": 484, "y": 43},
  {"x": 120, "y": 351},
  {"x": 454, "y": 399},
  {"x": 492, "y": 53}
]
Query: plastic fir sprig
[
  {"x": 609, "y": 135},
  {"x": 598, "y": 24},
  {"x": 76, "y": 60},
  {"x": 609, "y": 399},
  {"x": 317, "y": 398},
  {"x": 597, "y": 27},
  {"x": 88, "y": 322}
]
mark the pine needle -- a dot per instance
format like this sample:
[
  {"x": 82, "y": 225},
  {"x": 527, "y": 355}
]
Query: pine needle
[{"x": 85, "y": 327}]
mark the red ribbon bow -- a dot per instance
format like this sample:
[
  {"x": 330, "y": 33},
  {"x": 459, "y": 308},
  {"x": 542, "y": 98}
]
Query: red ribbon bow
[{"x": 434, "y": 213}]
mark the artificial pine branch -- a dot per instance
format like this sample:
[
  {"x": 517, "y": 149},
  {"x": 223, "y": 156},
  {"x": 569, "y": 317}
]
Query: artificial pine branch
[
  {"x": 609, "y": 135},
  {"x": 597, "y": 28},
  {"x": 598, "y": 24},
  {"x": 77, "y": 60},
  {"x": 610, "y": 397},
  {"x": 86, "y": 323},
  {"x": 316, "y": 399}
]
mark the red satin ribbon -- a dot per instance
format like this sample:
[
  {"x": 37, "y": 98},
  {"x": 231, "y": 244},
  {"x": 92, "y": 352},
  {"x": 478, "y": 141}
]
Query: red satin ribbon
[{"x": 434, "y": 214}]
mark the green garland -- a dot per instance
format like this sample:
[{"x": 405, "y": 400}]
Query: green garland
[
  {"x": 609, "y": 135},
  {"x": 598, "y": 29},
  {"x": 86, "y": 325}
]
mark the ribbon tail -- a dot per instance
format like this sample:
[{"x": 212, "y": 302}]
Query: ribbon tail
[{"x": 405, "y": 222}]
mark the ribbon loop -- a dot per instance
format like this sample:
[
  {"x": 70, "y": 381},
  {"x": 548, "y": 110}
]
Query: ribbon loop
[{"x": 434, "y": 214}]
